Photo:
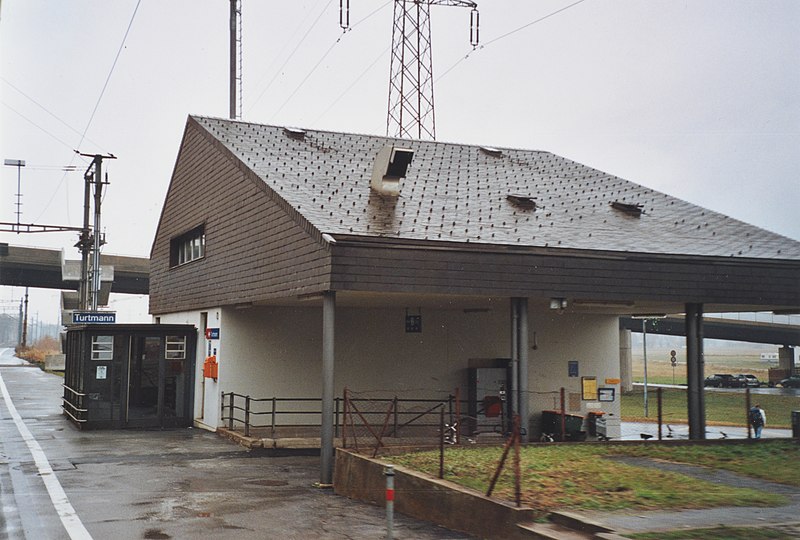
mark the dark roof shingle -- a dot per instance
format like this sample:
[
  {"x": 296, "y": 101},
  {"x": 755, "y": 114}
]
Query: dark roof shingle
[{"x": 459, "y": 193}]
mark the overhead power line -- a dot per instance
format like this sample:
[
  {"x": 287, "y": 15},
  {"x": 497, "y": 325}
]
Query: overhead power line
[
  {"x": 94, "y": 111},
  {"x": 56, "y": 138},
  {"x": 325, "y": 55},
  {"x": 110, "y": 72},
  {"x": 288, "y": 58},
  {"x": 507, "y": 34},
  {"x": 42, "y": 107}
]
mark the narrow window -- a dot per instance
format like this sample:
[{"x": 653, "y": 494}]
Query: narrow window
[
  {"x": 176, "y": 348},
  {"x": 102, "y": 348},
  {"x": 188, "y": 247}
]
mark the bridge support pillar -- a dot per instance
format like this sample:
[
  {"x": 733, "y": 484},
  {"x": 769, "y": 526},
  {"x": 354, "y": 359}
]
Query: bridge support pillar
[{"x": 786, "y": 357}]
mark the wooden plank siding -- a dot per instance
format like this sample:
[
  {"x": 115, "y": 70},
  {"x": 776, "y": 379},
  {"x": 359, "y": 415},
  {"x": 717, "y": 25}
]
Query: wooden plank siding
[
  {"x": 636, "y": 277},
  {"x": 255, "y": 250}
]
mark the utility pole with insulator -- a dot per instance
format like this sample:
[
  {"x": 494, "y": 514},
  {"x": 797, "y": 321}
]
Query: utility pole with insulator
[
  {"x": 91, "y": 239},
  {"x": 235, "y": 74}
]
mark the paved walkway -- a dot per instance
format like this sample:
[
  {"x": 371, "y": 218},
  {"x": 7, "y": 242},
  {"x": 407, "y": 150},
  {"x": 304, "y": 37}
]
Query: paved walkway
[
  {"x": 634, "y": 430},
  {"x": 161, "y": 484}
]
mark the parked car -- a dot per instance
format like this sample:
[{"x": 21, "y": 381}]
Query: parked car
[
  {"x": 723, "y": 380},
  {"x": 791, "y": 382},
  {"x": 749, "y": 380}
]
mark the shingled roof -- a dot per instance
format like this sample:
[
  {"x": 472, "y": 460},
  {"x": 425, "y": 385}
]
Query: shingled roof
[{"x": 471, "y": 194}]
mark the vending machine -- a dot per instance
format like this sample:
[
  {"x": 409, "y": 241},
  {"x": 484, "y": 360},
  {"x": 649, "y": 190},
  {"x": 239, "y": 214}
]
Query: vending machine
[{"x": 490, "y": 397}]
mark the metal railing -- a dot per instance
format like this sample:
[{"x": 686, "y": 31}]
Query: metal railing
[
  {"x": 248, "y": 413},
  {"x": 77, "y": 410}
]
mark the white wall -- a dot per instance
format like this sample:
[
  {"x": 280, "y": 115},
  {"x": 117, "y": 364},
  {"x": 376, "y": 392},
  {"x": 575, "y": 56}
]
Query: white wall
[
  {"x": 206, "y": 391},
  {"x": 276, "y": 351},
  {"x": 592, "y": 340}
]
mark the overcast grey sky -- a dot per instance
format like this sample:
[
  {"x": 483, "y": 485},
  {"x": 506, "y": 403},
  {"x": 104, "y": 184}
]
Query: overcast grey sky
[{"x": 699, "y": 99}]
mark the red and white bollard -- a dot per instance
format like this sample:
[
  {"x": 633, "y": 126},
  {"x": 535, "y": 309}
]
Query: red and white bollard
[{"x": 389, "y": 473}]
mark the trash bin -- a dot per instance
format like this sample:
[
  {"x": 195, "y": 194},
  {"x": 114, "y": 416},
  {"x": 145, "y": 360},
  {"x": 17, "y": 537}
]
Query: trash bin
[
  {"x": 796, "y": 424},
  {"x": 592, "y": 420},
  {"x": 551, "y": 424}
]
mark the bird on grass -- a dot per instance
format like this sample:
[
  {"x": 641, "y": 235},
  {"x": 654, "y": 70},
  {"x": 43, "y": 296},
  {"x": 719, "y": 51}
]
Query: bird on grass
[{"x": 669, "y": 428}]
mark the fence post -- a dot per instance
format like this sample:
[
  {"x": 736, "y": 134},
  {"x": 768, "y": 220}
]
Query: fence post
[
  {"x": 458, "y": 414},
  {"x": 344, "y": 423},
  {"x": 274, "y": 406},
  {"x": 230, "y": 411},
  {"x": 563, "y": 415},
  {"x": 441, "y": 442},
  {"x": 336, "y": 405},
  {"x": 247, "y": 416},
  {"x": 394, "y": 430},
  {"x": 517, "y": 479},
  {"x": 660, "y": 410}
]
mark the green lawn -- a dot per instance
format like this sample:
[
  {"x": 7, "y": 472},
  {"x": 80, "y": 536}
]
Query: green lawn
[
  {"x": 716, "y": 533},
  {"x": 585, "y": 476},
  {"x": 722, "y": 408}
]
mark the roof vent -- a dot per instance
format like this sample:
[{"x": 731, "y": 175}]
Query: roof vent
[
  {"x": 391, "y": 165},
  {"x": 295, "y": 133},
  {"x": 635, "y": 210},
  {"x": 525, "y": 202},
  {"x": 489, "y": 151}
]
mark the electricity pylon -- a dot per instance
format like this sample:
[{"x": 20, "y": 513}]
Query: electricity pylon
[{"x": 411, "y": 111}]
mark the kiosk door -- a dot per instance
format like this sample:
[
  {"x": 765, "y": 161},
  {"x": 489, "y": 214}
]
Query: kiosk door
[{"x": 145, "y": 390}]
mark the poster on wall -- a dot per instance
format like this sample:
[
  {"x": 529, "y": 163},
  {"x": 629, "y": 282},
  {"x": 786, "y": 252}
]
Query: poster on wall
[
  {"x": 605, "y": 394},
  {"x": 572, "y": 368},
  {"x": 589, "y": 388}
]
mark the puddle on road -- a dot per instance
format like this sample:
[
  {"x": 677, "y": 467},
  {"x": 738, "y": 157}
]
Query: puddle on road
[{"x": 268, "y": 483}]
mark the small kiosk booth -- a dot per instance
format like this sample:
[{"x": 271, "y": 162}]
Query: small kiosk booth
[{"x": 129, "y": 375}]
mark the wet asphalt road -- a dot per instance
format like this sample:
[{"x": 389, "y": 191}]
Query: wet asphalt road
[{"x": 184, "y": 483}]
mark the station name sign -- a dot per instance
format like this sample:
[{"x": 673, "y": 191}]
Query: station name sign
[{"x": 94, "y": 317}]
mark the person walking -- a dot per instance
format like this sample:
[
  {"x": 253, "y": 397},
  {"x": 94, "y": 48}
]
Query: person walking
[{"x": 758, "y": 419}]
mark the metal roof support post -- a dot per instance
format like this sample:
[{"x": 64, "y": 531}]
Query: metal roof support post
[
  {"x": 695, "y": 367},
  {"x": 522, "y": 304},
  {"x": 513, "y": 401},
  {"x": 328, "y": 334}
]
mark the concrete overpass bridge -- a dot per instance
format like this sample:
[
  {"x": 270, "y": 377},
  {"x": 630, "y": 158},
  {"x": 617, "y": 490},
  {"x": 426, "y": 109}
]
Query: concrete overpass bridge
[
  {"x": 44, "y": 269},
  {"x": 718, "y": 328}
]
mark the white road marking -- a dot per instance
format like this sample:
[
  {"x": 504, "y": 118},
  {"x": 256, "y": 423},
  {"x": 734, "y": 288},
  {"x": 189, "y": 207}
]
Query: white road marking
[{"x": 69, "y": 518}]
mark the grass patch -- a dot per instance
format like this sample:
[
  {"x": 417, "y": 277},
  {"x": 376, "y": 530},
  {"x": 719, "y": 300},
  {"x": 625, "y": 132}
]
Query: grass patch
[
  {"x": 722, "y": 408},
  {"x": 715, "y": 533},
  {"x": 581, "y": 477},
  {"x": 771, "y": 461}
]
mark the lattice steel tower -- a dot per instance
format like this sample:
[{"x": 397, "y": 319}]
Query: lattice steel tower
[{"x": 411, "y": 111}]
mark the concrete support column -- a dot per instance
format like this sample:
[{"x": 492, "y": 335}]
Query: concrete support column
[
  {"x": 522, "y": 304},
  {"x": 328, "y": 341},
  {"x": 695, "y": 368},
  {"x": 786, "y": 357},
  {"x": 625, "y": 360}
]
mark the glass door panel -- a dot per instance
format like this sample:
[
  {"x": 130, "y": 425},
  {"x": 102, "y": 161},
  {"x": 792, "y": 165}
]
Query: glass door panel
[{"x": 143, "y": 383}]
